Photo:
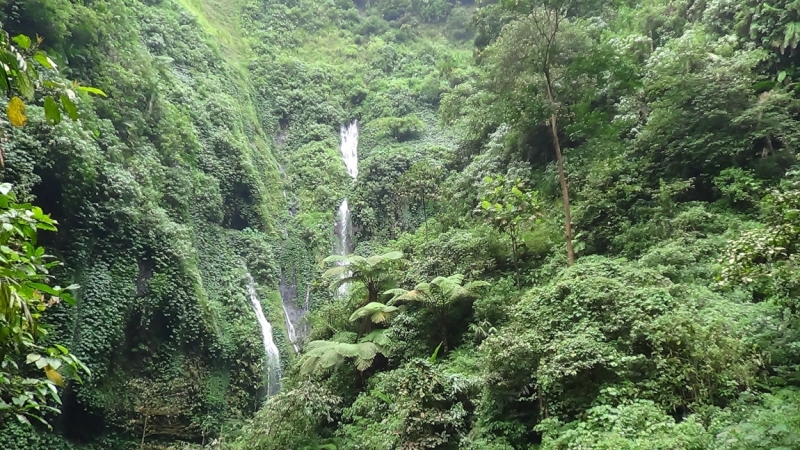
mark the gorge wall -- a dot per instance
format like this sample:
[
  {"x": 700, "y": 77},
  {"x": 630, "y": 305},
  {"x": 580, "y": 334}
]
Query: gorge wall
[{"x": 209, "y": 177}]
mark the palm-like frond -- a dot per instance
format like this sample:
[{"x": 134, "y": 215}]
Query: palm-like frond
[
  {"x": 347, "y": 337},
  {"x": 337, "y": 272},
  {"x": 374, "y": 272},
  {"x": 336, "y": 259},
  {"x": 321, "y": 356},
  {"x": 377, "y": 312},
  {"x": 337, "y": 282},
  {"x": 440, "y": 291},
  {"x": 377, "y": 259},
  {"x": 397, "y": 292},
  {"x": 378, "y": 337},
  {"x": 473, "y": 285},
  {"x": 325, "y": 355},
  {"x": 421, "y": 293}
]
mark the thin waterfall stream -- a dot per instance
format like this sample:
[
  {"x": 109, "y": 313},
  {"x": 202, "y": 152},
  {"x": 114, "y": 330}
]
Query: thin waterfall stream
[
  {"x": 349, "y": 149},
  {"x": 270, "y": 349}
]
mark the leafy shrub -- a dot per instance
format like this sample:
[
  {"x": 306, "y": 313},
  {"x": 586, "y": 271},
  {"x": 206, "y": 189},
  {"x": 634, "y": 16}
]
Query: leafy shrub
[{"x": 401, "y": 128}]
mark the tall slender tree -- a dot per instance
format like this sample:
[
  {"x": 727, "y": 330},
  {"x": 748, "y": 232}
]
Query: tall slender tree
[{"x": 539, "y": 48}]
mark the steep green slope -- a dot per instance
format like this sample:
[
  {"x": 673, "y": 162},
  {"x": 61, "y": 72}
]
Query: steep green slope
[
  {"x": 215, "y": 153},
  {"x": 164, "y": 192},
  {"x": 677, "y": 324}
]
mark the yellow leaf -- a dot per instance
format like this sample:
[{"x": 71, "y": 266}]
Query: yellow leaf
[
  {"x": 54, "y": 376},
  {"x": 16, "y": 112}
]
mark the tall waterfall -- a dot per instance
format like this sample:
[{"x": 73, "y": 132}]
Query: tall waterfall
[
  {"x": 270, "y": 349},
  {"x": 349, "y": 149}
]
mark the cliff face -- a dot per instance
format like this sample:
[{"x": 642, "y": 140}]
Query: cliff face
[
  {"x": 166, "y": 193},
  {"x": 215, "y": 155}
]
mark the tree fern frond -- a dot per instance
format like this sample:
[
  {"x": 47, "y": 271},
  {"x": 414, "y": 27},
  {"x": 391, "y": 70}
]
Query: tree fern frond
[
  {"x": 336, "y": 259},
  {"x": 314, "y": 345},
  {"x": 423, "y": 288},
  {"x": 330, "y": 359},
  {"x": 367, "y": 350},
  {"x": 337, "y": 272},
  {"x": 357, "y": 260},
  {"x": 476, "y": 284},
  {"x": 377, "y": 312},
  {"x": 345, "y": 337},
  {"x": 377, "y": 259},
  {"x": 363, "y": 364},
  {"x": 346, "y": 350},
  {"x": 395, "y": 292},
  {"x": 378, "y": 337},
  {"x": 309, "y": 365}
]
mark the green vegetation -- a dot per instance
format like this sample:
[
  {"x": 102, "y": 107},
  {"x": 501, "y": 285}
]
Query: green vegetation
[
  {"x": 24, "y": 297},
  {"x": 575, "y": 224}
]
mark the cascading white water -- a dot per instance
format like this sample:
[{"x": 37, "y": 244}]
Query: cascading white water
[
  {"x": 290, "y": 329},
  {"x": 270, "y": 349},
  {"x": 344, "y": 230},
  {"x": 349, "y": 149},
  {"x": 343, "y": 218}
]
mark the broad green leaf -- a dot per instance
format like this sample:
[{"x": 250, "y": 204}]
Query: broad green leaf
[
  {"x": 382, "y": 396},
  {"x": 92, "y": 90},
  {"x": 69, "y": 107},
  {"x": 23, "y": 420},
  {"x": 25, "y": 83},
  {"x": 51, "y": 111},
  {"x": 42, "y": 58},
  {"x": 432, "y": 359},
  {"x": 23, "y": 41},
  {"x": 4, "y": 80}
]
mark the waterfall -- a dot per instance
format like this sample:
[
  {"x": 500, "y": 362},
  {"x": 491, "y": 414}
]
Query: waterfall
[
  {"x": 270, "y": 349},
  {"x": 349, "y": 149},
  {"x": 293, "y": 313},
  {"x": 290, "y": 329}
]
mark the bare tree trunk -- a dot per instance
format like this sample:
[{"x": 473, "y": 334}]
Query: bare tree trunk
[
  {"x": 144, "y": 430},
  {"x": 562, "y": 177},
  {"x": 514, "y": 254},
  {"x": 425, "y": 215},
  {"x": 443, "y": 324}
]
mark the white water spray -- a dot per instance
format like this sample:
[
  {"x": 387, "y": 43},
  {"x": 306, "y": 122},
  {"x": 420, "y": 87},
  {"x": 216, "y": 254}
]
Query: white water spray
[
  {"x": 349, "y": 149},
  {"x": 290, "y": 329},
  {"x": 271, "y": 350}
]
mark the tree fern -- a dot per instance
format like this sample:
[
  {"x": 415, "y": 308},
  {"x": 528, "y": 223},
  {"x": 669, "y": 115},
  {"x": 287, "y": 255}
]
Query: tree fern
[
  {"x": 374, "y": 273},
  {"x": 377, "y": 312},
  {"x": 323, "y": 356},
  {"x": 438, "y": 296}
]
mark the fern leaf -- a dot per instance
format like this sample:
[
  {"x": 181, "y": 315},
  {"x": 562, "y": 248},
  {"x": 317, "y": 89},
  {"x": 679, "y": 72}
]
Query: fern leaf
[
  {"x": 345, "y": 337},
  {"x": 378, "y": 337},
  {"x": 336, "y": 259},
  {"x": 363, "y": 364}
]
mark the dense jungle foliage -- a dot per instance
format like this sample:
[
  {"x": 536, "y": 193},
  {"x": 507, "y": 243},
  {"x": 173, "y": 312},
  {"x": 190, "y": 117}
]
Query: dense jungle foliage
[{"x": 576, "y": 224}]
